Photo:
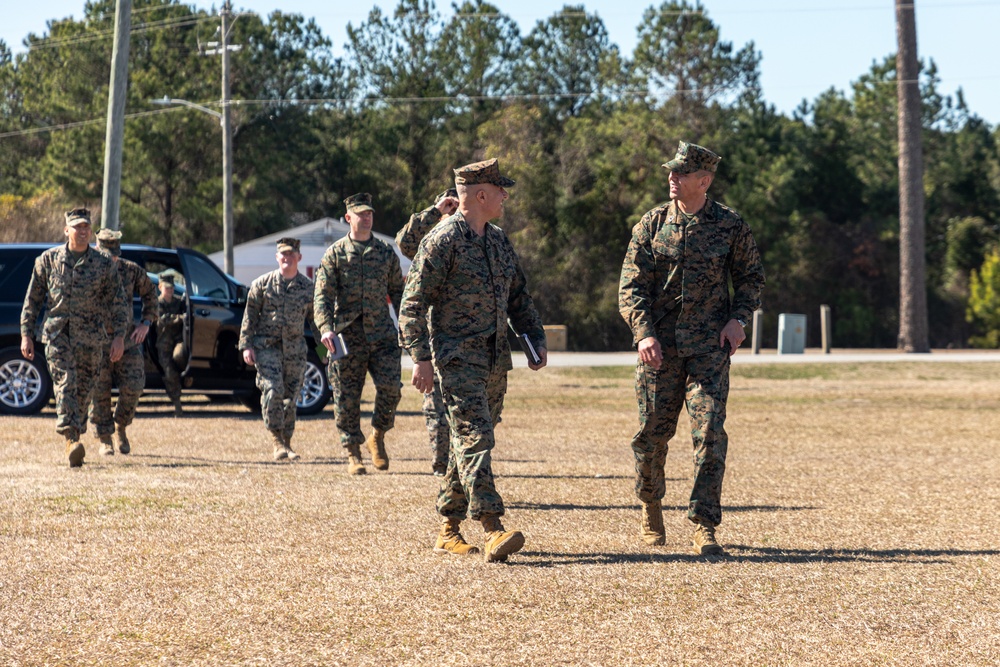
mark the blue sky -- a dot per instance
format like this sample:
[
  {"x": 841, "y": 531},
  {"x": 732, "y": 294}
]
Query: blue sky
[{"x": 806, "y": 47}]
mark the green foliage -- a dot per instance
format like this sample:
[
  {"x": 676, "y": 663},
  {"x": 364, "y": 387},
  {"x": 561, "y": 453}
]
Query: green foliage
[
  {"x": 984, "y": 302},
  {"x": 582, "y": 127}
]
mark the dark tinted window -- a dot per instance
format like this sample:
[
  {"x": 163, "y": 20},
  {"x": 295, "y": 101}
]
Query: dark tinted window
[{"x": 15, "y": 273}]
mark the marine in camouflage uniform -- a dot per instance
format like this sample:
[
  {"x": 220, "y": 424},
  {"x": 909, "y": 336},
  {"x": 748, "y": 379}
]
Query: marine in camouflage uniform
[
  {"x": 356, "y": 276},
  {"x": 408, "y": 239},
  {"x": 464, "y": 283},
  {"x": 674, "y": 295},
  {"x": 170, "y": 335},
  {"x": 83, "y": 295},
  {"x": 272, "y": 338},
  {"x": 129, "y": 372}
]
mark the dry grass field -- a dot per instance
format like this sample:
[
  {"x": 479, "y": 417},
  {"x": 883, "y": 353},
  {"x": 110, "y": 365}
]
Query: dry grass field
[{"x": 860, "y": 518}]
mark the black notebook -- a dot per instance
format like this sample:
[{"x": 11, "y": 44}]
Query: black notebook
[{"x": 529, "y": 350}]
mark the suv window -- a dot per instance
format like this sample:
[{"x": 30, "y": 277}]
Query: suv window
[
  {"x": 205, "y": 280},
  {"x": 15, "y": 273}
]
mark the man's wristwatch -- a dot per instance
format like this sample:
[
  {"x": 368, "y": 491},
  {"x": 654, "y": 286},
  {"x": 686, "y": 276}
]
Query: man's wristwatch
[
  {"x": 742, "y": 323},
  {"x": 146, "y": 323}
]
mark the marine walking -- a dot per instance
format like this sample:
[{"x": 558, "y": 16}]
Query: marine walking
[{"x": 170, "y": 348}]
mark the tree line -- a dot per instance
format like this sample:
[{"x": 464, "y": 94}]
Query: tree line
[{"x": 581, "y": 126}]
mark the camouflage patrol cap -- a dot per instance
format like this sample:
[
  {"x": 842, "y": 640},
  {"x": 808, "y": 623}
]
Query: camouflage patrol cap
[
  {"x": 77, "y": 216},
  {"x": 167, "y": 278},
  {"x": 110, "y": 241},
  {"x": 691, "y": 158},
  {"x": 450, "y": 192},
  {"x": 359, "y": 202},
  {"x": 487, "y": 171},
  {"x": 288, "y": 244}
]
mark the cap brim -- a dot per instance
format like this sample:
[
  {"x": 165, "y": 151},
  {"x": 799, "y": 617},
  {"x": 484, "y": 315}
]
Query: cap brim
[
  {"x": 505, "y": 182},
  {"x": 359, "y": 209},
  {"x": 679, "y": 166},
  {"x": 76, "y": 222},
  {"x": 286, "y": 248}
]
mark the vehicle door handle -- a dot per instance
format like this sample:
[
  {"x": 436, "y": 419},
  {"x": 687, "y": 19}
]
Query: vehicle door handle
[{"x": 204, "y": 312}]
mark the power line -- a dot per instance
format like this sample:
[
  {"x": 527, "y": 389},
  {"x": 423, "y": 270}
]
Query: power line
[
  {"x": 82, "y": 123},
  {"x": 176, "y": 22}
]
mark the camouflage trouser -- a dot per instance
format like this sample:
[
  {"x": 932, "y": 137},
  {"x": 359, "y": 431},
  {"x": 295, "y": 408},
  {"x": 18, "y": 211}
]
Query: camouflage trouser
[
  {"x": 347, "y": 379},
  {"x": 279, "y": 378},
  {"x": 436, "y": 416},
  {"x": 74, "y": 370},
  {"x": 473, "y": 395},
  {"x": 702, "y": 383},
  {"x": 171, "y": 374},
  {"x": 129, "y": 375}
]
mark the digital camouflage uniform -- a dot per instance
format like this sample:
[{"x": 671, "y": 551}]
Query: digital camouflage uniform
[
  {"x": 353, "y": 282},
  {"x": 274, "y": 327},
  {"x": 86, "y": 309},
  {"x": 459, "y": 293},
  {"x": 435, "y": 412},
  {"x": 129, "y": 372},
  {"x": 170, "y": 333},
  {"x": 675, "y": 286}
]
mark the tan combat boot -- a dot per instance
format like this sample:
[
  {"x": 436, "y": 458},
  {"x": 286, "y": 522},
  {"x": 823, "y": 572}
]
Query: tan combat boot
[
  {"x": 376, "y": 445},
  {"x": 704, "y": 541},
  {"x": 354, "y": 464},
  {"x": 75, "y": 452},
  {"x": 450, "y": 541},
  {"x": 123, "y": 445},
  {"x": 500, "y": 543},
  {"x": 280, "y": 451},
  {"x": 107, "y": 446},
  {"x": 292, "y": 456},
  {"x": 653, "y": 532}
]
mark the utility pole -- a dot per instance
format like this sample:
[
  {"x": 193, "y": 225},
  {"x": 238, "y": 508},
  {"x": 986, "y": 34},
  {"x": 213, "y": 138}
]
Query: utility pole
[
  {"x": 223, "y": 48},
  {"x": 115, "y": 137},
  {"x": 913, "y": 324}
]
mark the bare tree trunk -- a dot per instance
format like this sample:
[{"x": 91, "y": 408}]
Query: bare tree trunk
[{"x": 912, "y": 272}]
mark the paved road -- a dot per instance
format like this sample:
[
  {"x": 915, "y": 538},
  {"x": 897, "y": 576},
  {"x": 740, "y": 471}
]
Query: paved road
[{"x": 811, "y": 356}]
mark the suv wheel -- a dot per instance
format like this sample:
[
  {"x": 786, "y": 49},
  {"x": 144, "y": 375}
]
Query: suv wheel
[
  {"x": 315, "y": 392},
  {"x": 25, "y": 385}
]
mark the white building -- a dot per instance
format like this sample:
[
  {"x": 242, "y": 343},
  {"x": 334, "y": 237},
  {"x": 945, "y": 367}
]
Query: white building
[{"x": 255, "y": 258}]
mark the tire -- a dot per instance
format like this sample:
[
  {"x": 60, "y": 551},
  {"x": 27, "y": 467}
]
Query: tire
[
  {"x": 315, "y": 392},
  {"x": 25, "y": 386}
]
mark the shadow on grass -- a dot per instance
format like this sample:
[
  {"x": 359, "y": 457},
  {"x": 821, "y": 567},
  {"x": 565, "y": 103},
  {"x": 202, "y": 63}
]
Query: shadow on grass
[
  {"x": 666, "y": 508},
  {"x": 739, "y": 553},
  {"x": 600, "y": 477}
]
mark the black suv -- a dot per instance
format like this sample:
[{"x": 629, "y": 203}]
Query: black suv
[{"x": 215, "y": 301}]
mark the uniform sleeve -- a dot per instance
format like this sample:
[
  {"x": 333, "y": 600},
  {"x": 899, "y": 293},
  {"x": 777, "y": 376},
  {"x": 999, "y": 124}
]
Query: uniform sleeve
[
  {"x": 147, "y": 293},
  {"x": 635, "y": 289},
  {"x": 34, "y": 298},
  {"x": 521, "y": 307},
  {"x": 747, "y": 273},
  {"x": 325, "y": 294},
  {"x": 121, "y": 305},
  {"x": 424, "y": 284},
  {"x": 251, "y": 315},
  {"x": 409, "y": 237}
]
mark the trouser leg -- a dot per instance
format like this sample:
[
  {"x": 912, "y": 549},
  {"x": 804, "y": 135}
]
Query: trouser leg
[
  {"x": 385, "y": 367},
  {"x": 707, "y": 393},
  {"x": 473, "y": 395},
  {"x": 660, "y": 395},
  {"x": 271, "y": 383},
  {"x": 100, "y": 407},
  {"x": 347, "y": 379},
  {"x": 436, "y": 418},
  {"x": 294, "y": 372},
  {"x": 129, "y": 373}
]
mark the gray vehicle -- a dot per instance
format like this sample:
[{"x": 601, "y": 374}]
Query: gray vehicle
[{"x": 216, "y": 302}]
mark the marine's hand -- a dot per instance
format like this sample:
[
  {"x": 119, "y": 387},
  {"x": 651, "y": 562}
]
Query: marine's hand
[
  {"x": 543, "y": 354},
  {"x": 27, "y": 348},
  {"x": 327, "y": 340},
  {"x": 139, "y": 334},
  {"x": 734, "y": 334},
  {"x": 447, "y": 206},
  {"x": 423, "y": 376},
  {"x": 249, "y": 358},
  {"x": 650, "y": 352},
  {"x": 117, "y": 348}
]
